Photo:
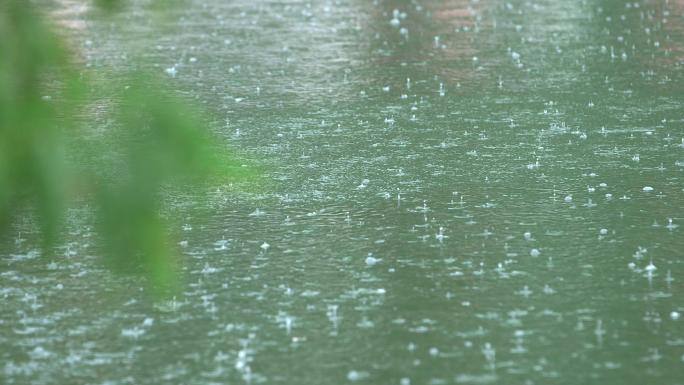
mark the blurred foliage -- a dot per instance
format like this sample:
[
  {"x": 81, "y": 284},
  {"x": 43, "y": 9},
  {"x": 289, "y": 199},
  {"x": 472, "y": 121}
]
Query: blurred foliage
[
  {"x": 32, "y": 169},
  {"x": 156, "y": 148},
  {"x": 158, "y": 143}
]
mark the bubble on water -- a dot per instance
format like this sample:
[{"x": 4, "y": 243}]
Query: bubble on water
[
  {"x": 525, "y": 292},
  {"x": 371, "y": 260},
  {"x": 207, "y": 269},
  {"x": 257, "y": 213},
  {"x": 171, "y": 71},
  {"x": 221, "y": 244},
  {"x": 40, "y": 353},
  {"x": 490, "y": 354},
  {"x": 355, "y": 375},
  {"x": 440, "y": 236},
  {"x": 134, "y": 332},
  {"x": 671, "y": 226},
  {"x": 599, "y": 332},
  {"x": 535, "y": 252}
]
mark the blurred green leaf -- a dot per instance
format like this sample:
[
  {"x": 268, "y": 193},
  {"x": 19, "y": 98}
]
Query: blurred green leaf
[
  {"x": 158, "y": 144},
  {"x": 166, "y": 137},
  {"x": 35, "y": 76}
]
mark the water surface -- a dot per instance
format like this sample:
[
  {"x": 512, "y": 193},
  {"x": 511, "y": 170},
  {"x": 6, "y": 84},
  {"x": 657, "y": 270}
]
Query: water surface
[{"x": 460, "y": 192}]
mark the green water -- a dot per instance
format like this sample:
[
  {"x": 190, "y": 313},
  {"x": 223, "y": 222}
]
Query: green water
[{"x": 544, "y": 138}]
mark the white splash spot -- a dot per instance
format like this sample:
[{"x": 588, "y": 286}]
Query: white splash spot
[{"x": 355, "y": 375}]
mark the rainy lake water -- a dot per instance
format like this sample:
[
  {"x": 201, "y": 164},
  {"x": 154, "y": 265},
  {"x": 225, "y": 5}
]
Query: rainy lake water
[{"x": 460, "y": 192}]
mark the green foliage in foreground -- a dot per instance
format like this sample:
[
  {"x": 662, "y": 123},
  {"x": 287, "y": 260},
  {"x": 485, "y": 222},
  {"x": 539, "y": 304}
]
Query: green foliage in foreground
[
  {"x": 157, "y": 143},
  {"x": 32, "y": 168}
]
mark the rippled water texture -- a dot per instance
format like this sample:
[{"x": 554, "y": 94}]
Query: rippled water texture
[{"x": 461, "y": 192}]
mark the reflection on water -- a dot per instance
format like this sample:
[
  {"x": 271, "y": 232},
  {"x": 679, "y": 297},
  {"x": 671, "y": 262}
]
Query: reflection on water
[{"x": 463, "y": 192}]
